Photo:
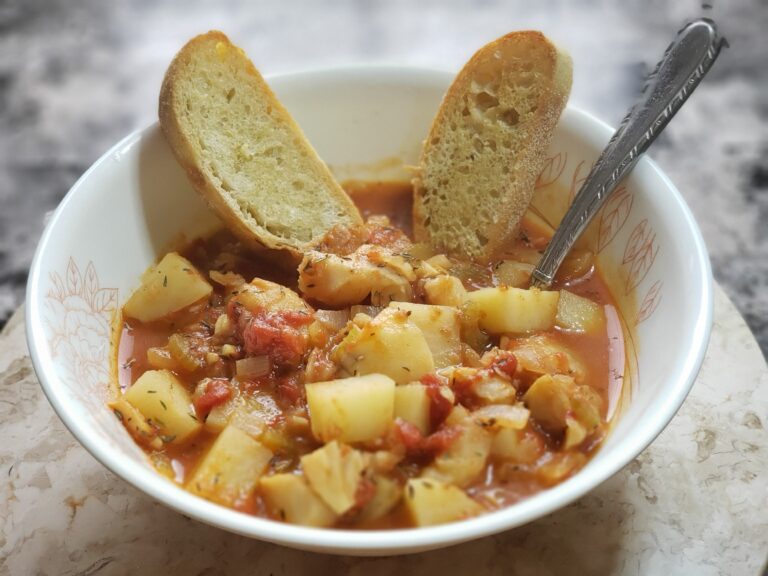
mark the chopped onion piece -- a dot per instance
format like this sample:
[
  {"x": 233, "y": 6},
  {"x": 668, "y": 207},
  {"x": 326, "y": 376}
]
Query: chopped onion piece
[
  {"x": 494, "y": 390},
  {"x": 226, "y": 279},
  {"x": 160, "y": 358},
  {"x": 502, "y": 416},
  {"x": 371, "y": 311},
  {"x": 421, "y": 251},
  {"x": 333, "y": 319},
  {"x": 253, "y": 367}
]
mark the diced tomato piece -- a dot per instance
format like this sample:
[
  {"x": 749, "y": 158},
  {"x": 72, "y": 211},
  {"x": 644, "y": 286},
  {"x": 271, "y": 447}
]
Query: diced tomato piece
[
  {"x": 463, "y": 388},
  {"x": 289, "y": 390},
  {"x": 217, "y": 391},
  {"x": 438, "y": 442},
  {"x": 409, "y": 435},
  {"x": 498, "y": 364},
  {"x": 439, "y": 405},
  {"x": 424, "y": 448},
  {"x": 506, "y": 364},
  {"x": 388, "y": 237},
  {"x": 431, "y": 380},
  {"x": 342, "y": 239},
  {"x": 277, "y": 334},
  {"x": 365, "y": 492},
  {"x": 295, "y": 318}
]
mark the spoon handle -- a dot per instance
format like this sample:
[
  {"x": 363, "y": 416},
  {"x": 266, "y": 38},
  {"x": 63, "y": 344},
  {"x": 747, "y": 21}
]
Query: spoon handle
[{"x": 683, "y": 66}]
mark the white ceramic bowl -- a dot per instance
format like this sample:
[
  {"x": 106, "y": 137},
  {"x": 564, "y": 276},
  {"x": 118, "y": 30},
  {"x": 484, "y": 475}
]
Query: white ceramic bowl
[{"x": 365, "y": 122}]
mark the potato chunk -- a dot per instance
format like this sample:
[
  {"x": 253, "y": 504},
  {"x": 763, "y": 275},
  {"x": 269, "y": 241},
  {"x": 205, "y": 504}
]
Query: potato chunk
[
  {"x": 230, "y": 470},
  {"x": 543, "y": 354},
  {"x": 517, "y": 446},
  {"x": 388, "y": 494},
  {"x": 136, "y": 424},
  {"x": 165, "y": 403},
  {"x": 290, "y": 498},
  {"x": 587, "y": 405},
  {"x": 558, "y": 403},
  {"x": 549, "y": 401},
  {"x": 334, "y": 280},
  {"x": 579, "y": 314},
  {"x": 412, "y": 405},
  {"x": 561, "y": 466},
  {"x": 351, "y": 409},
  {"x": 432, "y": 502},
  {"x": 390, "y": 345},
  {"x": 441, "y": 328},
  {"x": 491, "y": 389},
  {"x": 445, "y": 290},
  {"x": 466, "y": 457},
  {"x": 506, "y": 310},
  {"x": 260, "y": 295},
  {"x": 340, "y": 281},
  {"x": 172, "y": 284},
  {"x": 334, "y": 472},
  {"x": 575, "y": 433},
  {"x": 513, "y": 273},
  {"x": 186, "y": 352},
  {"x": 249, "y": 412}
]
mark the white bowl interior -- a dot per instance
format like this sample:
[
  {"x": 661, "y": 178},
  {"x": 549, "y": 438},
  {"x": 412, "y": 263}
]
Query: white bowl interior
[{"x": 366, "y": 123}]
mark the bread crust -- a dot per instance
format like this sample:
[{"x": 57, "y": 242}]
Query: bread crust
[
  {"x": 188, "y": 154},
  {"x": 441, "y": 191}
]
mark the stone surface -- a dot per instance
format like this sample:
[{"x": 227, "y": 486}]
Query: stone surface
[
  {"x": 77, "y": 76},
  {"x": 694, "y": 502}
]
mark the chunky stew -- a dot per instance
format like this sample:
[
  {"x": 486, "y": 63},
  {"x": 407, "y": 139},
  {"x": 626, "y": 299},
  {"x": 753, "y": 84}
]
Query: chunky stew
[{"x": 382, "y": 386}]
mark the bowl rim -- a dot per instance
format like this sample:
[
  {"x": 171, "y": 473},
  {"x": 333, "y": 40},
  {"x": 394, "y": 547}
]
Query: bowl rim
[{"x": 396, "y": 540}]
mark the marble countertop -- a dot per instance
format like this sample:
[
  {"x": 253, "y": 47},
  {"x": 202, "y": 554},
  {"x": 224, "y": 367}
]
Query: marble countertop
[
  {"x": 694, "y": 502},
  {"x": 77, "y": 76}
]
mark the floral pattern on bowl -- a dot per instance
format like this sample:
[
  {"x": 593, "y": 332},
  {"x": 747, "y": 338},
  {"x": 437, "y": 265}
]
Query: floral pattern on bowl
[{"x": 80, "y": 315}]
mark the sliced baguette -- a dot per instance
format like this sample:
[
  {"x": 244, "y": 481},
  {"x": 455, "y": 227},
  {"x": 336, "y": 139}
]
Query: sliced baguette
[
  {"x": 487, "y": 143},
  {"x": 244, "y": 153}
]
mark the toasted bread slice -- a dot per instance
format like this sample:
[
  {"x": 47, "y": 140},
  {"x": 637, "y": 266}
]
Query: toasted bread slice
[
  {"x": 487, "y": 143},
  {"x": 244, "y": 153}
]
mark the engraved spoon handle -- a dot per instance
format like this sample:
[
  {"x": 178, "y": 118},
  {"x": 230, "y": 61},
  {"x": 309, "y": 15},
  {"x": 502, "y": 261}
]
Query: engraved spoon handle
[{"x": 683, "y": 66}]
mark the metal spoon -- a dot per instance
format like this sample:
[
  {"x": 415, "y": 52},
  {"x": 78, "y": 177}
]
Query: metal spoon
[{"x": 683, "y": 66}]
